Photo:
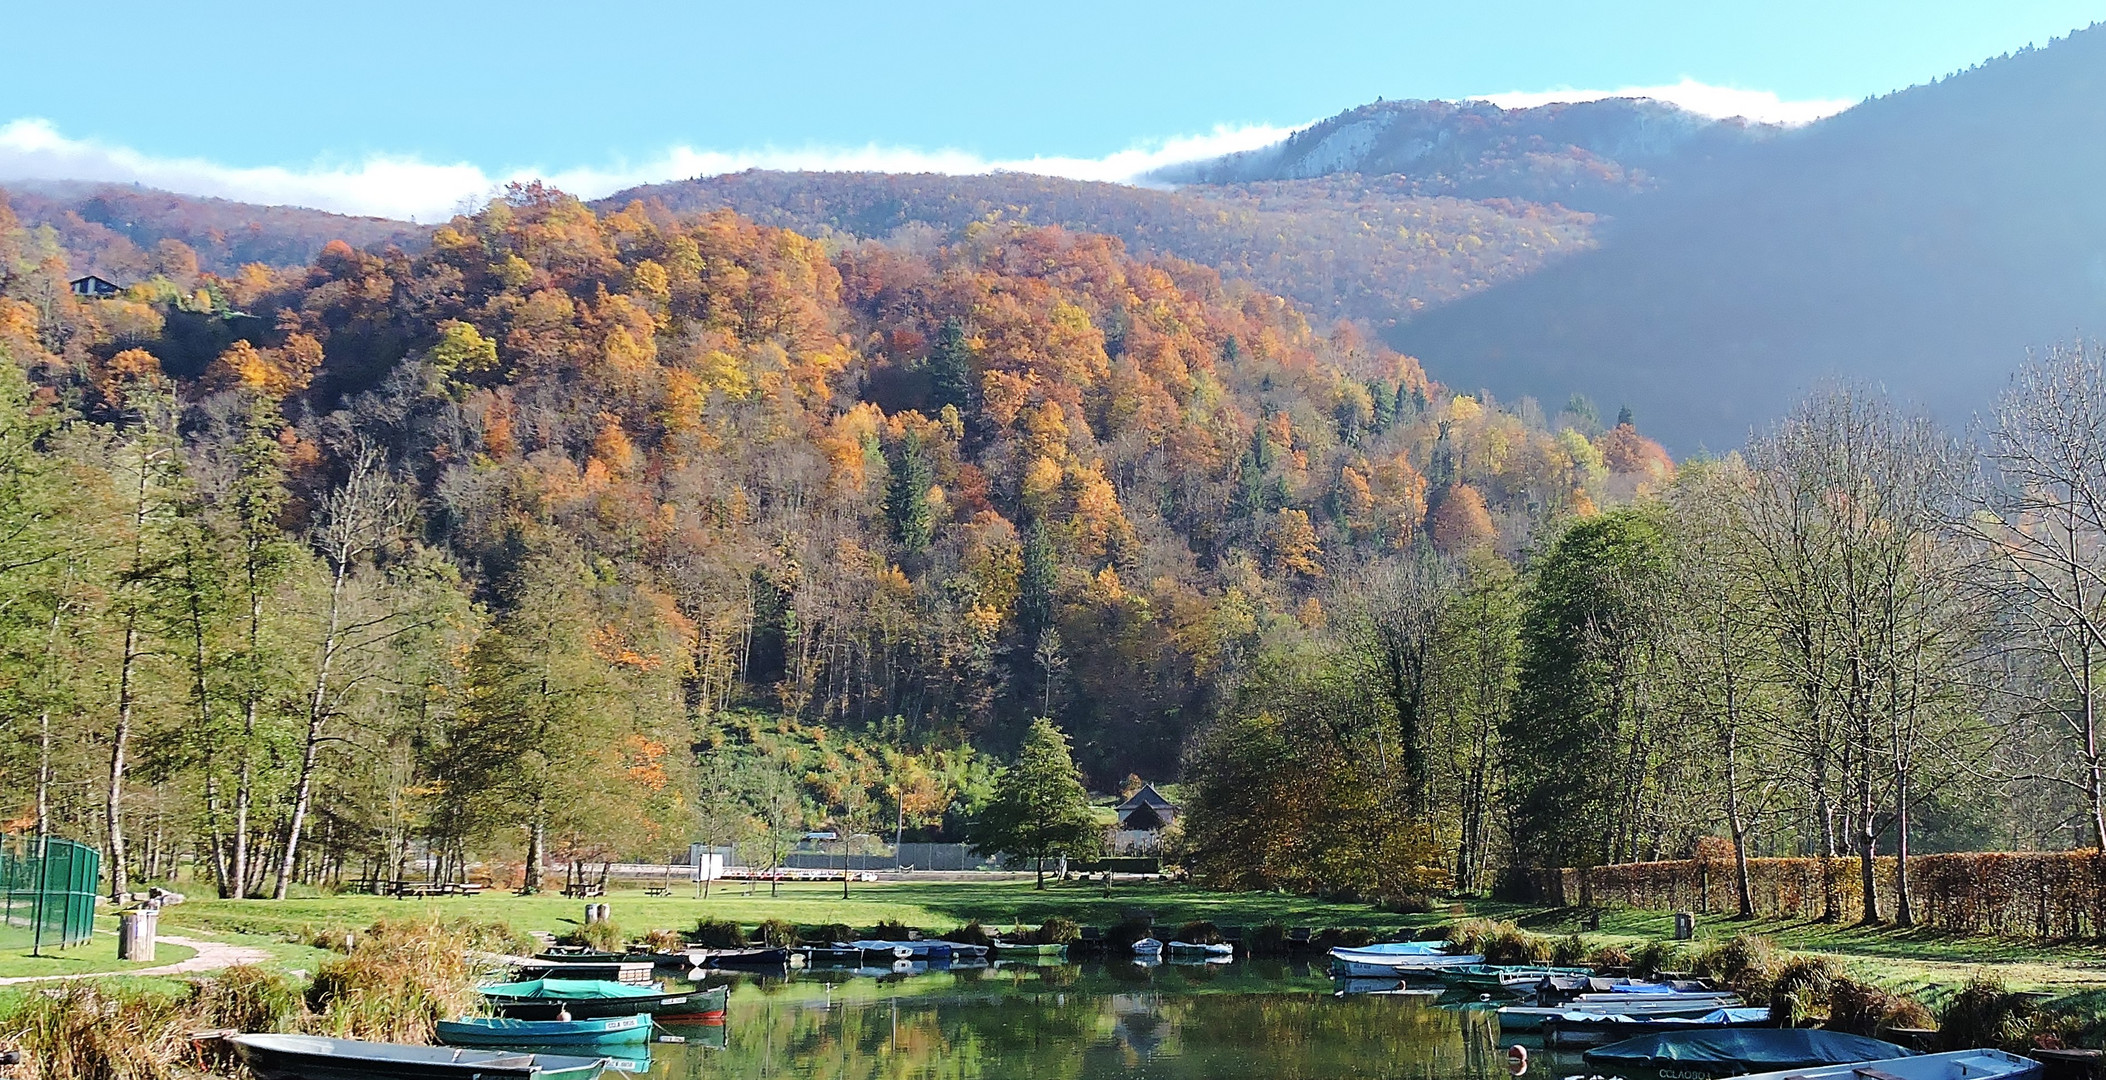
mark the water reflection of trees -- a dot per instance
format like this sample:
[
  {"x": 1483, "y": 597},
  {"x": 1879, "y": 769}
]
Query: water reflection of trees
[{"x": 1035, "y": 1031}]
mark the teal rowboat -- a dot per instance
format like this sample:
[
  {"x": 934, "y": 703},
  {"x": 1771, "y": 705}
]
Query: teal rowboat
[{"x": 504, "y": 1031}]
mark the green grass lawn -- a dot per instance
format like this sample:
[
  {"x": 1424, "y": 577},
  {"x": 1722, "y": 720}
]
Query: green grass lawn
[
  {"x": 98, "y": 953},
  {"x": 1921, "y": 962},
  {"x": 934, "y": 906}
]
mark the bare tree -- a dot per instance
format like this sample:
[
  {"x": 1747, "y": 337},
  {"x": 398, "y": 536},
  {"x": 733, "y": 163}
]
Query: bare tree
[
  {"x": 1847, "y": 519},
  {"x": 2044, "y": 532},
  {"x": 357, "y": 518}
]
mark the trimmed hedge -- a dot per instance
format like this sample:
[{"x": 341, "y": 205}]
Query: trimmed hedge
[{"x": 2015, "y": 894}]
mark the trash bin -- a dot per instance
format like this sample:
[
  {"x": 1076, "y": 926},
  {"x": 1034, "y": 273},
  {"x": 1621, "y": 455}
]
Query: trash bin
[
  {"x": 135, "y": 934},
  {"x": 1685, "y": 926}
]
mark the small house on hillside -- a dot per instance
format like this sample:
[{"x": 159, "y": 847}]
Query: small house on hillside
[
  {"x": 94, "y": 288},
  {"x": 1142, "y": 819}
]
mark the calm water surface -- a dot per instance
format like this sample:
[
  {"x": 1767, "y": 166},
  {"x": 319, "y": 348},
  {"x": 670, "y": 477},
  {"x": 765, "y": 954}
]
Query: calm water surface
[{"x": 1172, "y": 1022}]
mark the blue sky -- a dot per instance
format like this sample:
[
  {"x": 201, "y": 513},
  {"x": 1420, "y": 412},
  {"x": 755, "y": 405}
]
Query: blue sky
[{"x": 411, "y": 105}]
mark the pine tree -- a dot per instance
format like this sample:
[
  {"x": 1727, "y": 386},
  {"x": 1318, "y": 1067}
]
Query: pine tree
[
  {"x": 951, "y": 368},
  {"x": 907, "y": 495},
  {"x": 1040, "y": 808}
]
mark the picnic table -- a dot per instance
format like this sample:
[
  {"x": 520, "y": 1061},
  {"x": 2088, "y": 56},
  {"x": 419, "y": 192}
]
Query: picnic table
[
  {"x": 405, "y": 890},
  {"x": 657, "y": 890},
  {"x": 584, "y": 889}
]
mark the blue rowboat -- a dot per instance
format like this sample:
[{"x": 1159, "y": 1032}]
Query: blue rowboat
[
  {"x": 504, "y": 1031},
  {"x": 315, "y": 1057}
]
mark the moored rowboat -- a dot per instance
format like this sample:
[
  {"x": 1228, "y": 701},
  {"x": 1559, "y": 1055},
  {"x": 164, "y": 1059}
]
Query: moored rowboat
[
  {"x": 586, "y": 999},
  {"x": 503, "y": 1031},
  {"x": 1692, "y": 1055},
  {"x": 1951, "y": 1065},
  {"x": 1011, "y": 948},
  {"x": 316, "y": 1057},
  {"x": 1581, "y": 1030}
]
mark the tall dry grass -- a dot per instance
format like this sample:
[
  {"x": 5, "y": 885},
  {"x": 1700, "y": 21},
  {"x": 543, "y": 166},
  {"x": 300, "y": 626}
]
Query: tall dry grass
[
  {"x": 402, "y": 978},
  {"x": 90, "y": 1031}
]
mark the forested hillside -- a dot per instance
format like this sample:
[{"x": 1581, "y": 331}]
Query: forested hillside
[
  {"x": 1923, "y": 240},
  {"x": 1343, "y": 247},
  {"x": 612, "y": 529},
  {"x": 117, "y": 230},
  {"x": 1593, "y": 155}
]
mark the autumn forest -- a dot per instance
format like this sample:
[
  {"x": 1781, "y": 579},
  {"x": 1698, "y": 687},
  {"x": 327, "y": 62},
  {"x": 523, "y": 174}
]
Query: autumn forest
[{"x": 587, "y": 534}]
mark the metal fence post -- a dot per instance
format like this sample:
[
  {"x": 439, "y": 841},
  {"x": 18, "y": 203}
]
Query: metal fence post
[{"x": 36, "y": 920}]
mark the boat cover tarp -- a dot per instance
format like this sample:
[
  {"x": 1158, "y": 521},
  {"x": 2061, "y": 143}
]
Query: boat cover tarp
[
  {"x": 1642, "y": 988},
  {"x": 1401, "y": 948},
  {"x": 1749, "y": 1049},
  {"x": 567, "y": 990}
]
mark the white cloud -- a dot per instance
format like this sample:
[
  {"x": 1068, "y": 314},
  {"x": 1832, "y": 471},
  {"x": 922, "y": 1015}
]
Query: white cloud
[
  {"x": 403, "y": 187},
  {"x": 1719, "y": 102}
]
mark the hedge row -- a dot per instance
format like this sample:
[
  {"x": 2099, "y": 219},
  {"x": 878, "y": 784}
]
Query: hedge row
[{"x": 2018, "y": 894}]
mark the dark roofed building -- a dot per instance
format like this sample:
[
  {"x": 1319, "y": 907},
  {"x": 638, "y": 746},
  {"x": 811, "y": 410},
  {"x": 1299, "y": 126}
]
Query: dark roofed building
[
  {"x": 94, "y": 288},
  {"x": 1142, "y": 819}
]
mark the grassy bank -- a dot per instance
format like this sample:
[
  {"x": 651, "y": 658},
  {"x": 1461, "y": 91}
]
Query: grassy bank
[
  {"x": 935, "y": 905},
  {"x": 1924, "y": 963},
  {"x": 98, "y": 953}
]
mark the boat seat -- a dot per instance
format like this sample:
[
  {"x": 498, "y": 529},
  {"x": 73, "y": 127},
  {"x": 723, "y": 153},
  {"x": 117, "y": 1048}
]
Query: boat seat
[{"x": 1875, "y": 1074}]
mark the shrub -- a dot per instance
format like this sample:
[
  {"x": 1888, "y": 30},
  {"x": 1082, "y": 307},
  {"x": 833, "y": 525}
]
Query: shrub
[
  {"x": 403, "y": 977},
  {"x": 1799, "y": 985},
  {"x": 831, "y": 933},
  {"x": 718, "y": 934},
  {"x": 665, "y": 941},
  {"x": 1352, "y": 937},
  {"x": 1408, "y": 904},
  {"x": 777, "y": 933},
  {"x": 1655, "y": 957},
  {"x": 246, "y": 998},
  {"x": 599, "y": 937},
  {"x": 1268, "y": 940},
  {"x": 971, "y": 933},
  {"x": 1570, "y": 951},
  {"x": 1498, "y": 941},
  {"x": 1609, "y": 956},
  {"x": 84, "y": 1031},
  {"x": 1121, "y": 937},
  {"x": 1745, "y": 962},
  {"x": 1055, "y": 931},
  {"x": 1199, "y": 932},
  {"x": 1864, "y": 1009},
  {"x": 1985, "y": 1013},
  {"x": 891, "y": 930}
]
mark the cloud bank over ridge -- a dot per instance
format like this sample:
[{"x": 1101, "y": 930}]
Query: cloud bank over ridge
[
  {"x": 406, "y": 187},
  {"x": 399, "y": 186}
]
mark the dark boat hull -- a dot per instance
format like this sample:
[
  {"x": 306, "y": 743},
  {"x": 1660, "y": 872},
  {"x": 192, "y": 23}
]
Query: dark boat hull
[
  {"x": 751, "y": 958},
  {"x": 686, "y": 1003},
  {"x": 316, "y": 1058}
]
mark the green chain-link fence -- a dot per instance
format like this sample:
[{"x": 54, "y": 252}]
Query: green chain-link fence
[{"x": 47, "y": 892}]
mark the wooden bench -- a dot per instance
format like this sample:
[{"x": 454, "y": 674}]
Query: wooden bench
[{"x": 657, "y": 890}]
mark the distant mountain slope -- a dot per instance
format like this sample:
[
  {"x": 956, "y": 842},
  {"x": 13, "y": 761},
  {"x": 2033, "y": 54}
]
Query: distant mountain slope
[
  {"x": 1594, "y": 155},
  {"x": 1922, "y": 240},
  {"x": 1370, "y": 250},
  {"x": 113, "y": 228}
]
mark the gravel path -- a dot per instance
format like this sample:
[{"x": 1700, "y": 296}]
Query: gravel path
[{"x": 211, "y": 956}]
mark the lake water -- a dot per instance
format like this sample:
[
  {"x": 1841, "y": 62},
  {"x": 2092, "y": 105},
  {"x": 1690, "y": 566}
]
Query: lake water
[{"x": 1260, "y": 1020}]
